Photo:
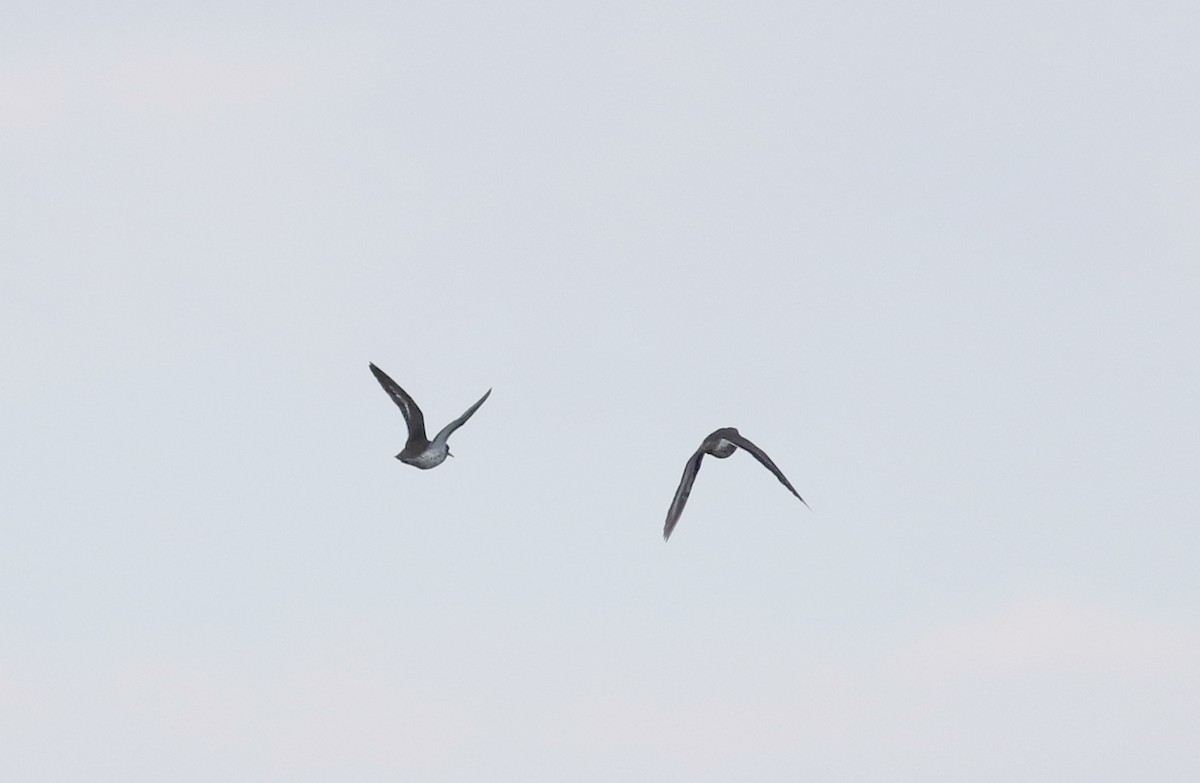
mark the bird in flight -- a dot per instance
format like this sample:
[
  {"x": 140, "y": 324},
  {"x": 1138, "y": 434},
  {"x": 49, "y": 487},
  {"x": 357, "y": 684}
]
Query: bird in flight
[
  {"x": 419, "y": 451},
  {"x": 720, "y": 444}
]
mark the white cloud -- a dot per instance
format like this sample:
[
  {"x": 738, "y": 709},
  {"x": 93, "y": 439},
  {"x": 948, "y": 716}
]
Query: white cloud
[
  {"x": 33, "y": 96},
  {"x": 1031, "y": 687},
  {"x": 146, "y": 77},
  {"x": 192, "y": 82},
  {"x": 1052, "y": 635}
]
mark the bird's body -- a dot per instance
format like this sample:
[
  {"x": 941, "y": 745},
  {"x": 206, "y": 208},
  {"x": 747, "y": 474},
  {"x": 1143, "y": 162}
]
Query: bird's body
[
  {"x": 426, "y": 458},
  {"x": 721, "y": 448},
  {"x": 720, "y": 444},
  {"x": 419, "y": 451}
]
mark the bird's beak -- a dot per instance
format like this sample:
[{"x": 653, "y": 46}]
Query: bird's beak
[{"x": 448, "y": 454}]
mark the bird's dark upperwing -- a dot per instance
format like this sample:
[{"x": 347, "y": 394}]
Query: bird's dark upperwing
[
  {"x": 681, "y": 493},
  {"x": 449, "y": 429},
  {"x": 740, "y": 441},
  {"x": 412, "y": 414}
]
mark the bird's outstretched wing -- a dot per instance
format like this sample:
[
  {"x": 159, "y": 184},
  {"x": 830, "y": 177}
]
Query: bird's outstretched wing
[
  {"x": 412, "y": 414},
  {"x": 449, "y": 429},
  {"x": 740, "y": 441},
  {"x": 682, "y": 491}
]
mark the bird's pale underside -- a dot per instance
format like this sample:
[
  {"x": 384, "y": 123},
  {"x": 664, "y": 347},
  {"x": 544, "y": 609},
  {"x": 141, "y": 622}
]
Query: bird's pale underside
[
  {"x": 419, "y": 451},
  {"x": 720, "y": 444}
]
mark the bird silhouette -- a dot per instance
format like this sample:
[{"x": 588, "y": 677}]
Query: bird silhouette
[
  {"x": 419, "y": 451},
  {"x": 720, "y": 443}
]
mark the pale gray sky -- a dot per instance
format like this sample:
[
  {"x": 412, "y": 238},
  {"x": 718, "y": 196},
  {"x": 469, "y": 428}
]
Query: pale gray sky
[{"x": 941, "y": 261}]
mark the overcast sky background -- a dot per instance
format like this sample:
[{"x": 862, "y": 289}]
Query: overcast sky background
[{"x": 941, "y": 261}]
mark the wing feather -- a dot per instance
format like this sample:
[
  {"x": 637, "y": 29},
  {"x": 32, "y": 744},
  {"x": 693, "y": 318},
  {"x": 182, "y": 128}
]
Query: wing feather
[
  {"x": 412, "y": 414},
  {"x": 682, "y": 491},
  {"x": 739, "y": 440},
  {"x": 449, "y": 429}
]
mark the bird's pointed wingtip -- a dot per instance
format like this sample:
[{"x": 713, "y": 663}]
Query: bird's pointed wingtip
[{"x": 668, "y": 529}]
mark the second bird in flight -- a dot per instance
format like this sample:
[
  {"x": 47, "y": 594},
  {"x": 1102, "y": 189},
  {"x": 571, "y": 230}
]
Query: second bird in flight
[{"x": 720, "y": 443}]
